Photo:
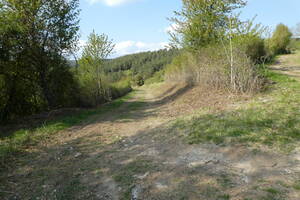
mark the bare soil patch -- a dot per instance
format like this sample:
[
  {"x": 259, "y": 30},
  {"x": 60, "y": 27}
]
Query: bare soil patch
[{"x": 288, "y": 64}]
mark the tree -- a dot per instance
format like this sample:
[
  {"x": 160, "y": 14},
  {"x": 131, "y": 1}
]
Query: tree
[
  {"x": 34, "y": 37},
  {"x": 53, "y": 27},
  {"x": 16, "y": 86},
  {"x": 98, "y": 48},
  {"x": 280, "y": 39},
  {"x": 203, "y": 22}
]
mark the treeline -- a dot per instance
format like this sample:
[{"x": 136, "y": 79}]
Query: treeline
[{"x": 219, "y": 50}]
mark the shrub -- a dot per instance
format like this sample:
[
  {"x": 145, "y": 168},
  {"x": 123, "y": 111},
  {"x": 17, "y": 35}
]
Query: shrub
[
  {"x": 210, "y": 67},
  {"x": 109, "y": 90},
  {"x": 253, "y": 46},
  {"x": 280, "y": 40},
  {"x": 120, "y": 89},
  {"x": 138, "y": 80}
]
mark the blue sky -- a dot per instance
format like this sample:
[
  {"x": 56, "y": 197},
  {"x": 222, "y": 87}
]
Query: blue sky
[{"x": 140, "y": 25}]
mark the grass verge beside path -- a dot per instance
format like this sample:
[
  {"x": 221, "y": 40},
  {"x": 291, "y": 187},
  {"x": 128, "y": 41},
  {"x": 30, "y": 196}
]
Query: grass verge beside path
[
  {"x": 271, "y": 118},
  {"x": 20, "y": 139}
]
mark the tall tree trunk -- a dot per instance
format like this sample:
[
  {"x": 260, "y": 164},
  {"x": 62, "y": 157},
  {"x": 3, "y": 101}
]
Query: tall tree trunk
[
  {"x": 232, "y": 72},
  {"x": 99, "y": 85},
  {"x": 7, "y": 110},
  {"x": 45, "y": 85}
]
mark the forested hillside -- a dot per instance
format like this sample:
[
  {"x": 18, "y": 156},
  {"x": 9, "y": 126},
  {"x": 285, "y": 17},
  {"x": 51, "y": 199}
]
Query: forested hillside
[
  {"x": 144, "y": 64},
  {"x": 140, "y": 67}
]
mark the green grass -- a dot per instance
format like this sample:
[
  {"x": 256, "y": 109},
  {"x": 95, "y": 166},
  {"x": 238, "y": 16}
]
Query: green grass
[
  {"x": 224, "y": 197},
  {"x": 273, "y": 194},
  {"x": 271, "y": 118},
  {"x": 23, "y": 138},
  {"x": 296, "y": 185},
  {"x": 272, "y": 191}
]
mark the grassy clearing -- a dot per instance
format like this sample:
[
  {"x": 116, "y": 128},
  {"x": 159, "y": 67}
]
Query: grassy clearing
[
  {"x": 20, "y": 139},
  {"x": 272, "y": 118}
]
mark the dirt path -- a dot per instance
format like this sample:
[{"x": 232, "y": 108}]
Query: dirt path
[
  {"x": 288, "y": 64},
  {"x": 133, "y": 153}
]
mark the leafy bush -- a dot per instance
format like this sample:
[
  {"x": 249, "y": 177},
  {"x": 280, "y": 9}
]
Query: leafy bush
[
  {"x": 120, "y": 88},
  {"x": 253, "y": 46},
  {"x": 109, "y": 90},
  {"x": 280, "y": 40},
  {"x": 138, "y": 80}
]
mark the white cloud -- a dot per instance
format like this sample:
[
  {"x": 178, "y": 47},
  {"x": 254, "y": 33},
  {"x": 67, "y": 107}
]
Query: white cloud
[
  {"x": 130, "y": 47},
  {"x": 110, "y": 2}
]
